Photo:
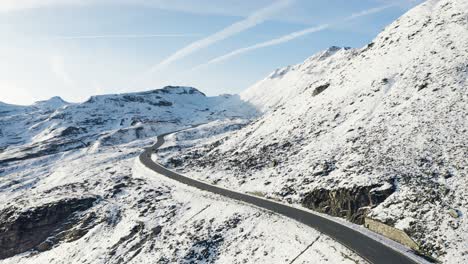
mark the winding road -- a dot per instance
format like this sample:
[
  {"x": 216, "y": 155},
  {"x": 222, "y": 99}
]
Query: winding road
[{"x": 371, "y": 250}]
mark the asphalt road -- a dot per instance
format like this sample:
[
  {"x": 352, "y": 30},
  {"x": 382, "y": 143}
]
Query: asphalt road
[{"x": 366, "y": 247}]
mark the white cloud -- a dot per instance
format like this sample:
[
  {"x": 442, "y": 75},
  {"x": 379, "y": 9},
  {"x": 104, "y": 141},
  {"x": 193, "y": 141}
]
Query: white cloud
[{"x": 289, "y": 37}]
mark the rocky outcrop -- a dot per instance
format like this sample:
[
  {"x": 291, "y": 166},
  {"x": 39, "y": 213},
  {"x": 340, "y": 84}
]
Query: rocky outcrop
[
  {"x": 138, "y": 236},
  {"x": 40, "y": 228},
  {"x": 351, "y": 204},
  {"x": 206, "y": 248},
  {"x": 320, "y": 89}
]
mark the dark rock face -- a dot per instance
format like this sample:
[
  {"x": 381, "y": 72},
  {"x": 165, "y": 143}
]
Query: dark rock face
[
  {"x": 41, "y": 227},
  {"x": 133, "y": 242},
  {"x": 320, "y": 89},
  {"x": 70, "y": 131},
  {"x": 162, "y": 103},
  {"x": 348, "y": 203},
  {"x": 181, "y": 90},
  {"x": 206, "y": 248}
]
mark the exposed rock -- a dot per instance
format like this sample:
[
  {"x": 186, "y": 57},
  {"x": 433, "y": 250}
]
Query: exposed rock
[
  {"x": 206, "y": 248},
  {"x": 162, "y": 103},
  {"x": 320, "y": 89},
  {"x": 324, "y": 168},
  {"x": 133, "y": 242},
  {"x": 422, "y": 86},
  {"x": 273, "y": 163},
  {"x": 453, "y": 213},
  {"x": 39, "y": 228},
  {"x": 72, "y": 131},
  {"x": 348, "y": 203}
]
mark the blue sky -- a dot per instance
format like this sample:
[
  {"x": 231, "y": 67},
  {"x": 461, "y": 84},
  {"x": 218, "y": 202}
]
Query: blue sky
[{"x": 78, "y": 48}]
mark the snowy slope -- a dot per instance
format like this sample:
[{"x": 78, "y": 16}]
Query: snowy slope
[
  {"x": 286, "y": 83},
  {"x": 379, "y": 131},
  {"x": 51, "y": 104},
  {"x": 52, "y": 126},
  {"x": 71, "y": 191},
  {"x": 140, "y": 217},
  {"x": 376, "y": 132}
]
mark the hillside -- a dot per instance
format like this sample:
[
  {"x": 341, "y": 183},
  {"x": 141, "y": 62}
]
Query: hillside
[
  {"x": 53, "y": 126},
  {"x": 72, "y": 191},
  {"x": 377, "y": 132}
]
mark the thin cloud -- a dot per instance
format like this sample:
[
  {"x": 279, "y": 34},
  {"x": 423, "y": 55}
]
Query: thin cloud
[
  {"x": 289, "y": 37},
  {"x": 199, "y": 7},
  {"x": 368, "y": 12},
  {"x": 252, "y": 20},
  {"x": 128, "y": 36},
  {"x": 269, "y": 43}
]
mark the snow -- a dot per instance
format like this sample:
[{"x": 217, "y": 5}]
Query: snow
[
  {"x": 187, "y": 217},
  {"x": 53, "y": 103},
  {"x": 394, "y": 245},
  {"x": 393, "y": 113},
  {"x": 404, "y": 223},
  {"x": 99, "y": 142},
  {"x": 106, "y": 118}
]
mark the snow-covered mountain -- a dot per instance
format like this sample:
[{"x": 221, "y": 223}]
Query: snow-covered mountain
[
  {"x": 54, "y": 126},
  {"x": 72, "y": 190},
  {"x": 376, "y": 132}
]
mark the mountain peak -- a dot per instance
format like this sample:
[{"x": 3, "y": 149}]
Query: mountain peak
[
  {"x": 181, "y": 90},
  {"x": 329, "y": 52},
  {"x": 53, "y": 102}
]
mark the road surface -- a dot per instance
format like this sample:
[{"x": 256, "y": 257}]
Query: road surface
[{"x": 366, "y": 247}]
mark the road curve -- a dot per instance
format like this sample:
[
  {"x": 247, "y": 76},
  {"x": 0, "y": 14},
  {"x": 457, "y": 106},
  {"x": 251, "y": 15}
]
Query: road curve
[{"x": 366, "y": 247}]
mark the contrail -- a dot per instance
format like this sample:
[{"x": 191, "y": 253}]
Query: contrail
[
  {"x": 289, "y": 37},
  {"x": 128, "y": 36},
  {"x": 368, "y": 12},
  {"x": 272, "y": 42},
  {"x": 252, "y": 20}
]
